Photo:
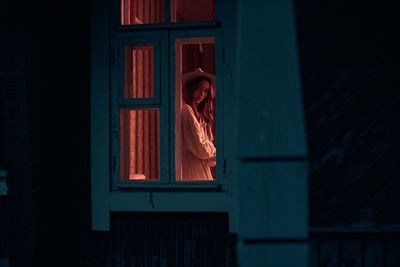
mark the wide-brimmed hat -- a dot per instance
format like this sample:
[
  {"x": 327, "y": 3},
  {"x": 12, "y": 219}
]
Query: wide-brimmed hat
[{"x": 187, "y": 77}]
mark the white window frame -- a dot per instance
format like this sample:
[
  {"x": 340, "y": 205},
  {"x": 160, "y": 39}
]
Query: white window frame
[{"x": 108, "y": 192}]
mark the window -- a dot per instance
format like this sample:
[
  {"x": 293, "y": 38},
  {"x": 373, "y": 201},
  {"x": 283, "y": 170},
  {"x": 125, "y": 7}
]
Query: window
[
  {"x": 140, "y": 110},
  {"x": 191, "y": 54},
  {"x": 182, "y": 149},
  {"x": 139, "y": 144},
  {"x": 142, "y": 11},
  {"x": 153, "y": 11},
  {"x": 139, "y": 71},
  {"x": 190, "y": 11},
  {"x": 142, "y": 55}
]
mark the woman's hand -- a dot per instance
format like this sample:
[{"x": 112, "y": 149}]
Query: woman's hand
[
  {"x": 212, "y": 161},
  {"x": 210, "y": 133}
]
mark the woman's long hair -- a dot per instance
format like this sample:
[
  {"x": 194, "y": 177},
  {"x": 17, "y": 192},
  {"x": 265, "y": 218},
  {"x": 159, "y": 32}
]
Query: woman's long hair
[{"x": 206, "y": 107}]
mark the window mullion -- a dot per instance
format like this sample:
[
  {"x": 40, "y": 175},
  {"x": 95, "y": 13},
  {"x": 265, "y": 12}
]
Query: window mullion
[
  {"x": 167, "y": 11},
  {"x": 165, "y": 131}
]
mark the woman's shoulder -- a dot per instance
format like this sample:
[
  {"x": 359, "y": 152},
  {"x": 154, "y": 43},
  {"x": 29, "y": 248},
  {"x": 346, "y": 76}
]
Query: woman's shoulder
[
  {"x": 187, "y": 112},
  {"x": 186, "y": 108}
]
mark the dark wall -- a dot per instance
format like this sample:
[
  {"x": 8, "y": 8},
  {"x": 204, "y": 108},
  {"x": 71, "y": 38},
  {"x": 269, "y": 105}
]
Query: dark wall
[
  {"x": 348, "y": 59},
  {"x": 45, "y": 74},
  {"x": 57, "y": 44},
  {"x": 16, "y": 209}
]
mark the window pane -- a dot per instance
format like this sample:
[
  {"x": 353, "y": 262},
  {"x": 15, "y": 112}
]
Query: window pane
[
  {"x": 139, "y": 71},
  {"x": 142, "y": 11},
  {"x": 192, "y": 10},
  {"x": 140, "y": 145},
  {"x": 195, "y": 139}
]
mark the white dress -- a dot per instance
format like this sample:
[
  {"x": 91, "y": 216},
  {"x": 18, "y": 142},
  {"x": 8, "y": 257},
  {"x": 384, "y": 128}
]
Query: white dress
[{"x": 197, "y": 147}]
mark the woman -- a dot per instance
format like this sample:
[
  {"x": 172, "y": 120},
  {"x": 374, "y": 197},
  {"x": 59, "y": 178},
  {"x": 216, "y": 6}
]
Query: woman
[{"x": 198, "y": 116}]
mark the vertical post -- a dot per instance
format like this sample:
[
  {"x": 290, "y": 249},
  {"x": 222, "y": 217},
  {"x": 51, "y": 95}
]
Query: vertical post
[
  {"x": 272, "y": 183},
  {"x": 100, "y": 118}
]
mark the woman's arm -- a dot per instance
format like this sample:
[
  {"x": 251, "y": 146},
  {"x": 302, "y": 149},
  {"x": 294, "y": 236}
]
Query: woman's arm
[{"x": 195, "y": 141}]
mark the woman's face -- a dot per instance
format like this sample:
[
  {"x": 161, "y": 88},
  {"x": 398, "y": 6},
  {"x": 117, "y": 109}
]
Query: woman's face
[{"x": 202, "y": 91}]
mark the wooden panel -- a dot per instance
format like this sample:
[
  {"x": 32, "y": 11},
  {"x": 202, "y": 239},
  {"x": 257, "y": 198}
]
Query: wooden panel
[
  {"x": 392, "y": 254},
  {"x": 203, "y": 237},
  {"x": 314, "y": 251},
  {"x": 116, "y": 243},
  {"x": 271, "y": 123},
  {"x": 350, "y": 248},
  {"x": 4, "y": 227},
  {"x": 277, "y": 255},
  {"x": 171, "y": 239},
  {"x": 186, "y": 246},
  {"x": 352, "y": 253},
  {"x": 374, "y": 254},
  {"x": 100, "y": 117},
  {"x": 329, "y": 254},
  {"x": 273, "y": 200},
  {"x": 125, "y": 242}
]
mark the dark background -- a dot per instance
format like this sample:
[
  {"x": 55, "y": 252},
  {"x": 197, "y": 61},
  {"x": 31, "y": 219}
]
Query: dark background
[
  {"x": 349, "y": 67},
  {"x": 351, "y": 94}
]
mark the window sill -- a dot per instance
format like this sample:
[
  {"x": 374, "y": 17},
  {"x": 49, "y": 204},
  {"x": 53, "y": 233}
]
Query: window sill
[
  {"x": 169, "y": 201},
  {"x": 178, "y": 186}
]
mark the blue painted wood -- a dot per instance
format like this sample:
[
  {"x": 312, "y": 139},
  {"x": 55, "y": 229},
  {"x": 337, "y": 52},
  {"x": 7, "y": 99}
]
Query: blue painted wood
[
  {"x": 100, "y": 117},
  {"x": 270, "y": 109},
  {"x": 273, "y": 200},
  {"x": 279, "y": 255}
]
